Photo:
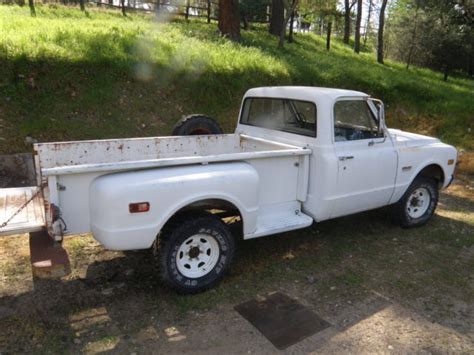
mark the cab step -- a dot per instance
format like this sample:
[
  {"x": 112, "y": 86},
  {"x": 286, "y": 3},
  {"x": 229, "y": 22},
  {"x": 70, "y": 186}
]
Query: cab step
[{"x": 279, "y": 218}]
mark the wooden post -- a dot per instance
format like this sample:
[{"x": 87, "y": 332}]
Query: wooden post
[
  {"x": 208, "y": 11},
  {"x": 187, "y": 10}
]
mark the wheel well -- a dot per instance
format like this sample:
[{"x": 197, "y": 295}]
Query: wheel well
[
  {"x": 222, "y": 209},
  {"x": 433, "y": 171}
]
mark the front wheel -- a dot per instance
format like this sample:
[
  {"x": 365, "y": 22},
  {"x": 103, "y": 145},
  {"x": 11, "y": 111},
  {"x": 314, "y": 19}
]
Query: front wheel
[
  {"x": 195, "y": 254},
  {"x": 418, "y": 203}
]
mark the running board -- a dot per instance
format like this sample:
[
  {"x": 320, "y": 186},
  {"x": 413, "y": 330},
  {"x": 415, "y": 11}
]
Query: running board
[
  {"x": 29, "y": 219},
  {"x": 280, "y": 218}
]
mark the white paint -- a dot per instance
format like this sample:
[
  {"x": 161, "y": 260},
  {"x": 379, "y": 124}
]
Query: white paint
[
  {"x": 197, "y": 255},
  {"x": 373, "y": 178},
  {"x": 269, "y": 176},
  {"x": 418, "y": 203}
]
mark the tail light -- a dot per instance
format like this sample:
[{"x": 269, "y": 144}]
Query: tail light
[{"x": 139, "y": 207}]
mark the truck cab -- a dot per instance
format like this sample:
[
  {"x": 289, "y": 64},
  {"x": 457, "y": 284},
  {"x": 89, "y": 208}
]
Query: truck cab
[{"x": 357, "y": 163}]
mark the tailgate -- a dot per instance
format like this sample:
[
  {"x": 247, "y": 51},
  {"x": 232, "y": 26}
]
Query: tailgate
[{"x": 31, "y": 218}]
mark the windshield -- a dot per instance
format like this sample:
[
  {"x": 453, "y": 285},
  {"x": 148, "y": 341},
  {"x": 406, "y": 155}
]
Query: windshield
[{"x": 293, "y": 116}]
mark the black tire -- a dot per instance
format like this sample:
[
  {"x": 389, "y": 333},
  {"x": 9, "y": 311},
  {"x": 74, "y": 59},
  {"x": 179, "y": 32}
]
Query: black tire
[
  {"x": 174, "y": 236},
  {"x": 196, "y": 125},
  {"x": 406, "y": 208}
]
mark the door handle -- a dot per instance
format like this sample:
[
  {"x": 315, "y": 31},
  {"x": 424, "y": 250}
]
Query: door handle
[{"x": 346, "y": 157}]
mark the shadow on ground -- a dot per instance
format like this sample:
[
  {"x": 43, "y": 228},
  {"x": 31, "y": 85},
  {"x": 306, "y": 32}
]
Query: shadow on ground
[{"x": 379, "y": 286}]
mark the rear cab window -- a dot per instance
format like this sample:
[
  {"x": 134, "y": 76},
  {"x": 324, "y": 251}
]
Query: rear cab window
[{"x": 287, "y": 115}]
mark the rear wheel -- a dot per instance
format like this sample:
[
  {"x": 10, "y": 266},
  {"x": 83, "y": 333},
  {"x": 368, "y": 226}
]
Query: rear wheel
[
  {"x": 418, "y": 203},
  {"x": 196, "y": 125},
  {"x": 195, "y": 254}
]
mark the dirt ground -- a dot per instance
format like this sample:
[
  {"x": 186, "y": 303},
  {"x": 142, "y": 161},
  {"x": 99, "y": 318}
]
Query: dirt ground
[{"x": 383, "y": 290}]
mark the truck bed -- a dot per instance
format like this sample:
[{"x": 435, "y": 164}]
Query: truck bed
[
  {"x": 67, "y": 169},
  {"x": 140, "y": 153}
]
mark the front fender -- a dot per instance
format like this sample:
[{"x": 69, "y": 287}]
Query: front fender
[
  {"x": 412, "y": 160},
  {"x": 167, "y": 190}
]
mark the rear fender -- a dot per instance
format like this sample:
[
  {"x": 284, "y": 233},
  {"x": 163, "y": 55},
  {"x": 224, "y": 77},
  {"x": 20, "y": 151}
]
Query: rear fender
[{"x": 168, "y": 190}]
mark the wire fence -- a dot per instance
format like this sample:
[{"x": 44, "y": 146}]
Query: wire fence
[
  {"x": 204, "y": 9},
  {"x": 207, "y": 9}
]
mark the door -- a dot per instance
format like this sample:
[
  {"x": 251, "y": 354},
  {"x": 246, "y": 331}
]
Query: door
[{"x": 367, "y": 159}]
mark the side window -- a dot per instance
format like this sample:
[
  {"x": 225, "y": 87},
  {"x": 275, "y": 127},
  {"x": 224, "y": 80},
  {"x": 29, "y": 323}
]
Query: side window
[
  {"x": 353, "y": 120},
  {"x": 286, "y": 115}
]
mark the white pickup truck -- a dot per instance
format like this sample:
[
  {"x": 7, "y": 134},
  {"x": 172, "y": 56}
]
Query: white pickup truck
[{"x": 298, "y": 155}]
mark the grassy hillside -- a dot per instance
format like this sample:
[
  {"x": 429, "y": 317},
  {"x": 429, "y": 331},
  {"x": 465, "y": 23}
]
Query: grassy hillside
[{"x": 67, "y": 75}]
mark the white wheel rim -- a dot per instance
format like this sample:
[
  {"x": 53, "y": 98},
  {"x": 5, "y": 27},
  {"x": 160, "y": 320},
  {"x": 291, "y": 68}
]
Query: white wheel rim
[
  {"x": 418, "y": 202},
  {"x": 197, "y": 256}
]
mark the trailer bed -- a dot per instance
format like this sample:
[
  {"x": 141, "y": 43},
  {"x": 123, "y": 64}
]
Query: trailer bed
[{"x": 30, "y": 219}]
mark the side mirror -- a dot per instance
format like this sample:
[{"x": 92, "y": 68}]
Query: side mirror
[
  {"x": 381, "y": 118},
  {"x": 380, "y": 115}
]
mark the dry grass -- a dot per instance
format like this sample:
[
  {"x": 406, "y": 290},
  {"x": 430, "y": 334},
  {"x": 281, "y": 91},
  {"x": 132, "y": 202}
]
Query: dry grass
[{"x": 114, "y": 301}]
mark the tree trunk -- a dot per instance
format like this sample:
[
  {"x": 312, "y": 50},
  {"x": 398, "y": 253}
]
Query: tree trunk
[
  {"x": 446, "y": 72},
  {"x": 413, "y": 36},
  {"x": 31, "y": 4},
  {"x": 380, "y": 33},
  {"x": 229, "y": 19},
  {"x": 357, "y": 29},
  {"x": 281, "y": 39},
  {"x": 289, "y": 10},
  {"x": 245, "y": 21},
  {"x": 81, "y": 3},
  {"x": 347, "y": 21},
  {"x": 328, "y": 38},
  {"x": 367, "y": 27},
  {"x": 292, "y": 20},
  {"x": 277, "y": 17},
  {"x": 208, "y": 11},
  {"x": 123, "y": 8},
  {"x": 470, "y": 69}
]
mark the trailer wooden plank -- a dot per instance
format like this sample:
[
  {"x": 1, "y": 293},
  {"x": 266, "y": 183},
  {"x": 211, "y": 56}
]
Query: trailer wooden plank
[{"x": 30, "y": 219}]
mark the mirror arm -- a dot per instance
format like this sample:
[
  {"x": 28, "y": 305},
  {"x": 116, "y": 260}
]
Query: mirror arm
[{"x": 381, "y": 114}]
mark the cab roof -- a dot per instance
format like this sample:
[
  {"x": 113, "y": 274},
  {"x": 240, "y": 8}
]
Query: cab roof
[{"x": 309, "y": 93}]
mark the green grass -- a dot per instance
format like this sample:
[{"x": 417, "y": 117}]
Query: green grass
[{"x": 70, "y": 75}]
